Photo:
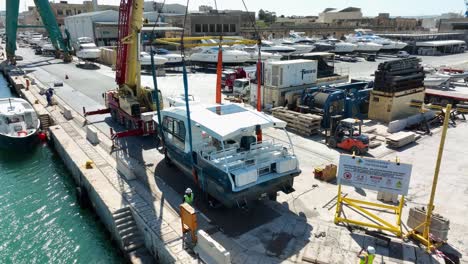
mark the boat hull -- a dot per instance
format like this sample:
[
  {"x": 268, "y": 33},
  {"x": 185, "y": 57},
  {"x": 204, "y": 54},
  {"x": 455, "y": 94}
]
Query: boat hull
[
  {"x": 215, "y": 182},
  {"x": 18, "y": 143}
]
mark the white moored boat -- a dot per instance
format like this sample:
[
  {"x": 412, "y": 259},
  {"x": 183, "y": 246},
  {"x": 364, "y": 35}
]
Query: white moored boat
[
  {"x": 210, "y": 56},
  {"x": 145, "y": 60},
  {"x": 18, "y": 124},
  {"x": 173, "y": 59},
  {"x": 387, "y": 44},
  {"x": 269, "y": 46},
  {"x": 253, "y": 53},
  {"x": 300, "y": 48},
  {"x": 341, "y": 46}
]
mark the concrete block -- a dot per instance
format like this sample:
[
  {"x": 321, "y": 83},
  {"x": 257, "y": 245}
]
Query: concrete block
[
  {"x": 211, "y": 251},
  {"x": 387, "y": 197},
  {"x": 91, "y": 135},
  {"x": 125, "y": 167},
  {"x": 396, "y": 125},
  {"x": 67, "y": 113}
]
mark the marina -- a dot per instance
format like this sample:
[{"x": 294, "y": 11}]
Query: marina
[
  {"x": 304, "y": 157},
  {"x": 41, "y": 220}
]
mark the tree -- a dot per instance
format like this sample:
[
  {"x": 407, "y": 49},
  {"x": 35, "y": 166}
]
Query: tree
[{"x": 261, "y": 14}]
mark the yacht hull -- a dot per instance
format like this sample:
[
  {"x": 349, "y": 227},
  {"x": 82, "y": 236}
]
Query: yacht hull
[
  {"x": 215, "y": 182},
  {"x": 18, "y": 143}
]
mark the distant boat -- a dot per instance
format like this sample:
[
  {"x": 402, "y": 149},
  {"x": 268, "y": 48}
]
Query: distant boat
[
  {"x": 210, "y": 56},
  {"x": 269, "y": 46},
  {"x": 19, "y": 124},
  {"x": 253, "y": 53},
  {"x": 145, "y": 60},
  {"x": 173, "y": 59}
]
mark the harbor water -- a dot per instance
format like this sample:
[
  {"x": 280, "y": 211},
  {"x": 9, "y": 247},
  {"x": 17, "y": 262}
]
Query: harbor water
[{"x": 40, "y": 219}]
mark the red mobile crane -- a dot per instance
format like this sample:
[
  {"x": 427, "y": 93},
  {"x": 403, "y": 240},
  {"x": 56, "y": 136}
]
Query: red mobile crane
[{"x": 130, "y": 104}]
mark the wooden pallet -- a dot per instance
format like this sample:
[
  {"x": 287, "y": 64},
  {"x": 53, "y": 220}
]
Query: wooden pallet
[{"x": 303, "y": 124}]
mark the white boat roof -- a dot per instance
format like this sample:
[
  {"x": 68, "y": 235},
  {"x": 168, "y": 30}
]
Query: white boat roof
[
  {"x": 225, "y": 121},
  {"x": 19, "y": 105}
]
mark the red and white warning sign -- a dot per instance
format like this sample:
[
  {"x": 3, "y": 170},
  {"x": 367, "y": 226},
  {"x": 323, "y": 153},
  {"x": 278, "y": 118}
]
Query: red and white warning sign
[{"x": 374, "y": 174}]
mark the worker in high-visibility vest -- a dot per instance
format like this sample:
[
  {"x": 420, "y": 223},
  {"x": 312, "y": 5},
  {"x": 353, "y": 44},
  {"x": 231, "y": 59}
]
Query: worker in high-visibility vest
[
  {"x": 188, "y": 196},
  {"x": 367, "y": 256}
]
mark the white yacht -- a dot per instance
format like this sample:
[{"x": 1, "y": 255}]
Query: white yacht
[
  {"x": 300, "y": 38},
  {"x": 369, "y": 36},
  {"x": 253, "y": 53},
  {"x": 341, "y": 46},
  {"x": 300, "y": 48},
  {"x": 364, "y": 45},
  {"x": 173, "y": 59},
  {"x": 85, "y": 49},
  {"x": 18, "y": 124},
  {"x": 269, "y": 46},
  {"x": 210, "y": 56},
  {"x": 145, "y": 60}
]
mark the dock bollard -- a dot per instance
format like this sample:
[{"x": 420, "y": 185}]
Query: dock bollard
[{"x": 89, "y": 164}]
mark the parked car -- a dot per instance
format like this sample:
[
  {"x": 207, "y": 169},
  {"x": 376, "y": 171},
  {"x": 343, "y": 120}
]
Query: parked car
[
  {"x": 403, "y": 54},
  {"x": 370, "y": 57},
  {"x": 349, "y": 59}
]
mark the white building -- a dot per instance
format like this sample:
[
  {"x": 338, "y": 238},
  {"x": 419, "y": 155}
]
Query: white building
[
  {"x": 330, "y": 14},
  {"x": 83, "y": 25}
]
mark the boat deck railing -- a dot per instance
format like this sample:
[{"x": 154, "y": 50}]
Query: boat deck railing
[{"x": 260, "y": 153}]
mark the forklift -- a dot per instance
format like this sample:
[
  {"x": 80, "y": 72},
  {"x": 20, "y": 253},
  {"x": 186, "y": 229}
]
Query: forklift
[{"x": 346, "y": 134}]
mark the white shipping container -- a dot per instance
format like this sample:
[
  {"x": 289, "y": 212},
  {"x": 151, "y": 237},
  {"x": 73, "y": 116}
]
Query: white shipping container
[{"x": 282, "y": 74}]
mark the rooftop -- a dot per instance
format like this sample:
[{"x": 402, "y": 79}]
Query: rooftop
[
  {"x": 439, "y": 43},
  {"x": 233, "y": 117},
  {"x": 95, "y": 13}
]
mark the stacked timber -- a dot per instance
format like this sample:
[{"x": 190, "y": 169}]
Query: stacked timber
[
  {"x": 400, "y": 139},
  {"x": 399, "y": 75},
  {"x": 303, "y": 124}
]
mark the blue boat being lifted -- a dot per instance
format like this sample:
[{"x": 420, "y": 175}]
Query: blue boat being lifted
[{"x": 229, "y": 161}]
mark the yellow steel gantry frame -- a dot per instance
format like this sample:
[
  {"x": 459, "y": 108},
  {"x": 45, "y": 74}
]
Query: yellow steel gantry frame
[
  {"x": 424, "y": 238},
  {"x": 379, "y": 223}
]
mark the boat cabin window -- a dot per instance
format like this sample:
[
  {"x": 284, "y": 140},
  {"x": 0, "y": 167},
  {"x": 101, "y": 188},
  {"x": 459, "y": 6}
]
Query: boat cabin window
[{"x": 174, "y": 131}]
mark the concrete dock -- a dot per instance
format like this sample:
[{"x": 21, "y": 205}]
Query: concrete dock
[{"x": 286, "y": 231}]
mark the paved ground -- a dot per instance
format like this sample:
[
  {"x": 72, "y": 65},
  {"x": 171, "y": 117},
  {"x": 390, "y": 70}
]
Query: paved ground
[{"x": 285, "y": 230}]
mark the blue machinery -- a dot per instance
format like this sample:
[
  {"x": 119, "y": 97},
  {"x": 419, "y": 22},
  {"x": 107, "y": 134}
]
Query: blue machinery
[{"x": 345, "y": 100}]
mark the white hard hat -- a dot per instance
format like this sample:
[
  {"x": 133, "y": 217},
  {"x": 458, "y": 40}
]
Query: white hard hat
[
  {"x": 370, "y": 250},
  {"x": 188, "y": 190}
]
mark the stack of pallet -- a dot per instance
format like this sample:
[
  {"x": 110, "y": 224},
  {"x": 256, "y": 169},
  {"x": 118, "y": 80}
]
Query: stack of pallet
[
  {"x": 399, "y": 75},
  {"x": 400, "y": 139},
  {"x": 303, "y": 124}
]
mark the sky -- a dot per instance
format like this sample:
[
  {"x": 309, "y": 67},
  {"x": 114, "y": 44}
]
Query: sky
[{"x": 313, "y": 7}]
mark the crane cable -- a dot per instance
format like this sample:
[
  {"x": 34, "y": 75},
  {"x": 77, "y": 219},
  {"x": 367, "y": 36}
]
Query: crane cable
[
  {"x": 219, "y": 66},
  {"x": 259, "y": 62},
  {"x": 187, "y": 105},
  {"x": 155, "y": 82}
]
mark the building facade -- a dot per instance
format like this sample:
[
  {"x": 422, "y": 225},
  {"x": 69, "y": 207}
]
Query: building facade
[
  {"x": 84, "y": 25},
  {"x": 62, "y": 10},
  {"x": 225, "y": 22},
  {"x": 330, "y": 15}
]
